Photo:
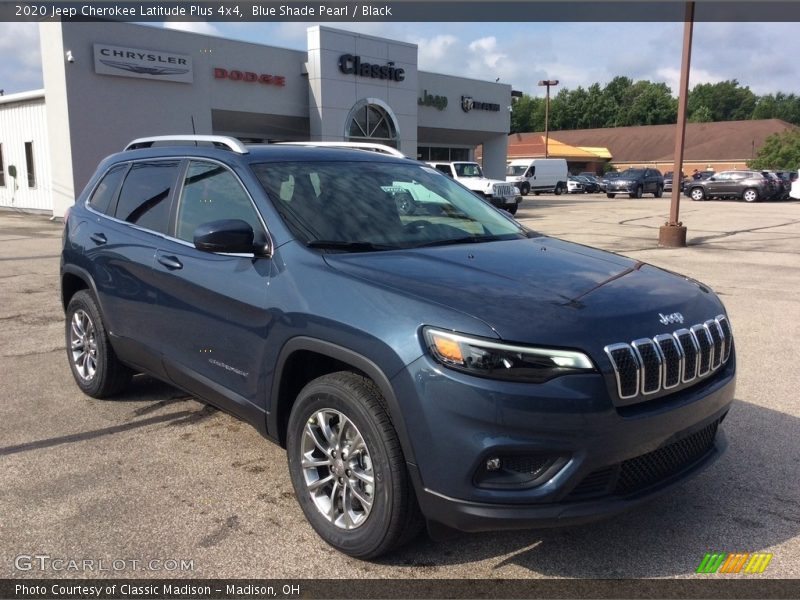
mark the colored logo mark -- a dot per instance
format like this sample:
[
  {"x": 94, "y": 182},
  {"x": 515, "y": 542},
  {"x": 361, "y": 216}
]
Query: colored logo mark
[{"x": 737, "y": 562}]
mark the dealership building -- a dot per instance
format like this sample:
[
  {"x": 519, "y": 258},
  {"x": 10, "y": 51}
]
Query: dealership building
[{"x": 106, "y": 84}]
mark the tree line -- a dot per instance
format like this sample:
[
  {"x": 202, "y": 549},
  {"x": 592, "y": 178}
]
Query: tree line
[{"x": 624, "y": 102}]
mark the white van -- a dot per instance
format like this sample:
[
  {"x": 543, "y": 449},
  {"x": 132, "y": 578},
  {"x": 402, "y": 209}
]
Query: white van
[{"x": 538, "y": 175}]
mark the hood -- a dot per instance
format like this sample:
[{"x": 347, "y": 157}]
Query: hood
[
  {"x": 480, "y": 183},
  {"x": 540, "y": 290}
]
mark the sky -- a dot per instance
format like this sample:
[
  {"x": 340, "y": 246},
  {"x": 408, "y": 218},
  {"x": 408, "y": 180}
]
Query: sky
[{"x": 762, "y": 56}]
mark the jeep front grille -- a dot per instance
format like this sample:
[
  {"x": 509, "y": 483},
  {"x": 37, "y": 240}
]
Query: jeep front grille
[
  {"x": 503, "y": 191},
  {"x": 647, "y": 366}
]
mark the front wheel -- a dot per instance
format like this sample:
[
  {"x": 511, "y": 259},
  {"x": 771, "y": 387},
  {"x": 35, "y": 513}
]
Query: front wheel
[
  {"x": 750, "y": 195},
  {"x": 610, "y": 195},
  {"x": 697, "y": 194},
  {"x": 347, "y": 467},
  {"x": 524, "y": 189},
  {"x": 94, "y": 364},
  {"x": 638, "y": 193},
  {"x": 559, "y": 190},
  {"x": 512, "y": 209}
]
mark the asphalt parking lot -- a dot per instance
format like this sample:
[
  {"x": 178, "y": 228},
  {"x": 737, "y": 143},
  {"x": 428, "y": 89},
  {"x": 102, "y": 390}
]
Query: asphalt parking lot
[{"x": 158, "y": 475}]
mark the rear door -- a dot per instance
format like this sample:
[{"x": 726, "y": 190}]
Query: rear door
[
  {"x": 213, "y": 307},
  {"x": 123, "y": 257}
]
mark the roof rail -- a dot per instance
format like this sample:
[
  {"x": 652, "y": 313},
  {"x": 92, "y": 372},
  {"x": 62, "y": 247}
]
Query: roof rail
[
  {"x": 220, "y": 141},
  {"x": 369, "y": 146}
]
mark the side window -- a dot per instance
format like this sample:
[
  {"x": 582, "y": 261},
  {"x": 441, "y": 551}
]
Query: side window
[
  {"x": 445, "y": 169},
  {"x": 211, "y": 193},
  {"x": 531, "y": 172},
  {"x": 144, "y": 199},
  {"x": 107, "y": 188}
]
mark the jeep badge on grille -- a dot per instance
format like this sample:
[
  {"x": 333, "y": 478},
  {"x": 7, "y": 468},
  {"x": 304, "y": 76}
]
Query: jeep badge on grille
[{"x": 673, "y": 318}]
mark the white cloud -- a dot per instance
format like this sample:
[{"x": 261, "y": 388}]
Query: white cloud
[
  {"x": 21, "y": 67},
  {"x": 192, "y": 27}
]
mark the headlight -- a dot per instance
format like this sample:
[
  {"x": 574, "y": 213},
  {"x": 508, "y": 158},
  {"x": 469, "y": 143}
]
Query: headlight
[{"x": 496, "y": 360}]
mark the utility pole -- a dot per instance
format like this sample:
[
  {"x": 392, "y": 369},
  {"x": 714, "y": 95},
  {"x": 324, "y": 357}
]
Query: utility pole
[
  {"x": 547, "y": 83},
  {"x": 673, "y": 233}
]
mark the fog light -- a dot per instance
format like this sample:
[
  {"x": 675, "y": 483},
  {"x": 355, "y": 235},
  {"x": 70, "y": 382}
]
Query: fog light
[{"x": 493, "y": 464}]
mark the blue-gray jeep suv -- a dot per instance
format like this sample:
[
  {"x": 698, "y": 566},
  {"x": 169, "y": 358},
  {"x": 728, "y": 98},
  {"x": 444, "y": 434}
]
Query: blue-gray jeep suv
[{"x": 420, "y": 354}]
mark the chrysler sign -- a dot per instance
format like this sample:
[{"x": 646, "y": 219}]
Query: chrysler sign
[{"x": 144, "y": 64}]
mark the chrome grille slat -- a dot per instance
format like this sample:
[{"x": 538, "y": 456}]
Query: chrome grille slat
[{"x": 646, "y": 366}]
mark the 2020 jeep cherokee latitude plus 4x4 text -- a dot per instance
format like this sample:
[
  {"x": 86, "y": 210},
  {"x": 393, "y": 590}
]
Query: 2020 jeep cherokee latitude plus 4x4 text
[{"x": 447, "y": 364}]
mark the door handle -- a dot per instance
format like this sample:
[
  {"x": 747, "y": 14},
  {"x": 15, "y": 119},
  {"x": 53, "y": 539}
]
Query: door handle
[
  {"x": 98, "y": 238},
  {"x": 171, "y": 262}
]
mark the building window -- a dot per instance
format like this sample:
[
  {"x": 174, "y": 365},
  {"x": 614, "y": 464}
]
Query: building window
[
  {"x": 2, "y": 168},
  {"x": 371, "y": 122},
  {"x": 442, "y": 153},
  {"x": 29, "y": 164}
]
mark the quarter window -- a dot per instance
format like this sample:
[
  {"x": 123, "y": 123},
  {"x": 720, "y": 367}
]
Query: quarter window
[
  {"x": 144, "y": 199},
  {"x": 212, "y": 193},
  {"x": 107, "y": 188}
]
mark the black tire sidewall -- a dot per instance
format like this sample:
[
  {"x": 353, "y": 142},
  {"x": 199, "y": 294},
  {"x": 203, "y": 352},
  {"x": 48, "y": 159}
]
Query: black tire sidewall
[
  {"x": 525, "y": 189},
  {"x": 363, "y": 541}
]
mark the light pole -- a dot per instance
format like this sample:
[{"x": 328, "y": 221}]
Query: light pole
[{"x": 547, "y": 83}]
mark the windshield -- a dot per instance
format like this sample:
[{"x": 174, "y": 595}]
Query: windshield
[
  {"x": 632, "y": 173},
  {"x": 360, "y": 206},
  {"x": 468, "y": 170},
  {"x": 515, "y": 169}
]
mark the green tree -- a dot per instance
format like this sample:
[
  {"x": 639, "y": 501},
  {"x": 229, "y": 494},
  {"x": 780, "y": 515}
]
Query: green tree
[
  {"x": 649, "y": 104},
  {"x": 702, "y": 114},
  {"x": 726, "y": 100},
  {"x": 778, "y": 106},
  {"x": 781, "y": 151}
]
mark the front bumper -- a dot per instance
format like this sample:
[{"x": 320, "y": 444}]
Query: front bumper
[
  {"x": 460, "y": 421},
  {"x": 504, "y": 201}
]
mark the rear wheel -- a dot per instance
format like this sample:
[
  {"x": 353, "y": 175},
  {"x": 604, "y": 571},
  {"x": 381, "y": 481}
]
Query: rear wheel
[
  {"x": 750, "y": 195},
  {"x": 697, "y": 194},
  {"x": 610, "y": 195},
  {"x": 94, "y": 364},
  {"x": 659, "y": 192},
  {"x": 347, "y": 467}
]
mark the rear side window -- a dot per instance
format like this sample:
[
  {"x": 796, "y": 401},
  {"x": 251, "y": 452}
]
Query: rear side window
[
  {"x": 107, "y": 188},
  {"x": 145, "y": 195}
]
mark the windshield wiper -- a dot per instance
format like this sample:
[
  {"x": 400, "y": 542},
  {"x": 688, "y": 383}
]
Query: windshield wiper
[
  {"x": 471, "y": 239},
  {"x": 348, "y": 246}
]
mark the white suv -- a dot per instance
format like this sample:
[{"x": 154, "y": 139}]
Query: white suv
[{"x": 500, "y": 193}]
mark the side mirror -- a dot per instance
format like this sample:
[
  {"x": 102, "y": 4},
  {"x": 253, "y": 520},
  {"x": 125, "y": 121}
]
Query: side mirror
[
  {"x": 12, "y": 171},
  {"x": 227, "y": 235},
  {"x": 712, "y": 178}
]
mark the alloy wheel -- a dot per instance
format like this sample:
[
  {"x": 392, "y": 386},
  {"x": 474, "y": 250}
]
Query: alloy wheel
[
  {"x": 337, "y": 469},
  {"x": 83, "y": 345}
]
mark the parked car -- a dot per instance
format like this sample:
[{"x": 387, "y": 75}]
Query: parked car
[
  {"x": 574, "y": 185},
  {"x": 794, "y": 192},
  {"x": 668, "y": 180},
  {"x": 636, "y": 183},
  {"x": 783, "y": 180},
  {"x": 499, "y": 193},
  {"x": 449, "y": 365},
  {"x": 751, "y": 186},
  {"x": 606, "y": 179},
  {"x": 590, "y": 186}
]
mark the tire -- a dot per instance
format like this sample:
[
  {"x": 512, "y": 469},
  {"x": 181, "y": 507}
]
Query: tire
[
  {"x": 610, "y": 195},
  {"x": 525, "y": 189},
  {"x": 535, "y": 193},
  {"x": 638, "y": 193},
  {"x": 93, "y": 362},
  {"x": 512, "y": 209},
  {"x": 405, "y": 204},
  {"x": 659, "y": 192},
  {"x": 750, "y": 195},
  {"x": 697, "y": 194},
  {"x": 558, "y": 190},
  {"x": 347, "y": 403}
]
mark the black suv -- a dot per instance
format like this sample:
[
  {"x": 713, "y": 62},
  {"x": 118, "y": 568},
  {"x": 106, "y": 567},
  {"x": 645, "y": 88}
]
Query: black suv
[
  {"x": 444, "y": 363},
  {"x": 636, "y": 183}
]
